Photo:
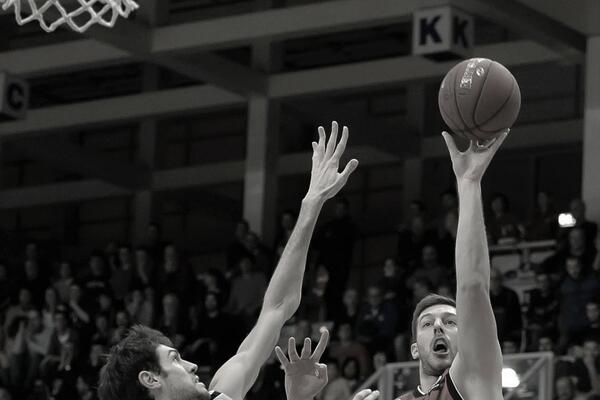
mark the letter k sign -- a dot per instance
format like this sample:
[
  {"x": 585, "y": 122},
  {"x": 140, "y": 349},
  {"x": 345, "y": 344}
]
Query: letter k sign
[{"x": 428, "y": 28}]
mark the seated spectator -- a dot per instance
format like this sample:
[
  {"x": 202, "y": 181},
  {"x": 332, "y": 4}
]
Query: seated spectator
[
  {"x": 545, "y": 343},
  {"x": 19, "y": 310},
  {"x": 575, "y": 247},
  {"x": 544, "y": 223},
  {"x": 63, "y": 349},
  {"x": 577, "y": 289},
  {"x": 577, "y": 208},
  {"x": 64, "y": 281},
  {"x": 392, "y": 282},
  {"x": 247, "y": 291},
  {"x": 102, "y": 332},
  {"x": 420, "y": 288},
  {"x": 592, "y": 313},
  {"x": 85, "y": 385},
  {"x": 542, "y": 310},
  {"x": 376, "y": 322},
  {"x": 95, "y": 361},
  {"x": 287, "y": 221},
  {"x": 338, "y": 387},
  {"x": 564, "y": 389},
  {"x": 347, "y": 347},
  {"x": 581, "y": 365},
  {"x": 37, "y": 342},
  {"x": 502, "y": 226},
  {"x": 506, "y": 307},
  {"x": 429, "y": 268},
  {"x": 79, "y": 314},
  {"x": 350, "y": 372}
]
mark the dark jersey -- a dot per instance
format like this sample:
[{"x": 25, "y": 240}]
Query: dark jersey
[
  {"x": 218, "y": 396},
  {"x": 443, "y": 389}
]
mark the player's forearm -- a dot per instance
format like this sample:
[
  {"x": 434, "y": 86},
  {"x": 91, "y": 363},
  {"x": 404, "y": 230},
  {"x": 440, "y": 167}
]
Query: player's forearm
[
  {"x": 284, "y": 290},
  {"x": 472, "y": 259}
]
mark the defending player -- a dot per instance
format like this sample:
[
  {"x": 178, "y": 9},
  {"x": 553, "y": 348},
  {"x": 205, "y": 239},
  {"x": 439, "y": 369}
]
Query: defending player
[
  {"x": 457, "y": 344},
  {"x": 145, "y": 364}
]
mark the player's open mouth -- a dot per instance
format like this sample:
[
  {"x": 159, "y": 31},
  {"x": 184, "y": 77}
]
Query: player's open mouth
[{"x": 440, "y": 346}]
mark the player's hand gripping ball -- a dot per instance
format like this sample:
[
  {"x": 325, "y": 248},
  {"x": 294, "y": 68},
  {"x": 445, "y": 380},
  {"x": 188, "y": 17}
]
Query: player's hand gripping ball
[{"x": 479, "y": 99}]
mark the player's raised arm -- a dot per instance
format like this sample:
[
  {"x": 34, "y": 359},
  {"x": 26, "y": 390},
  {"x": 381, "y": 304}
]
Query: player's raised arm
[
  {"x": 282, "y": 296},
  {"x": 477, "y": 368}
]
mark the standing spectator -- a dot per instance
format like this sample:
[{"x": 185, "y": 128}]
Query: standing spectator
[
  {"x": 64, "y": 281},
  {"x": 122, "y": 274},
  {"x": 376, "y": 323},
  {"x": 144, "y": 267},
  {"x": 411, "y": 241},
  {"x": 19, "y": 310},
  {"x": 96, "y": 281},
  {"x": 172, "y": 319},
  {"x": 237, "y": 248},
  {"x": 51, "y": 303},
  {"x": 544, "y": 222},
  {"x": 102, "y": 333},
  {"x": 7, "y": 288},
  {"x": 63, "y": 348},
  {"x": 349, "y": 312},
  {"x": 350, "y": 372},
  {"x": 174, "y": 275},
  {"x": 314, "y": 307},
  {"x": 261, "y": 254},
  {"x": 287, "y": 221},
  {"x": 122, "y": 325},
  {"x": 576, "y": 247},
  {"x": 247, "y": 291},
  {"x": 37, "y": 339},
  {"x": 34, "y": 281},
  {"x": 392, "y": 282},
  {"x": 506, "y": 307},
  {"x": 542, "y": 311},
  {"x": 139, "y": 308},
  {"x": 335, "y": 243},
  {"x": 502, "y": 226},
  {"x": 79, "y": 314},
  {"x": 577, "y": 289}
]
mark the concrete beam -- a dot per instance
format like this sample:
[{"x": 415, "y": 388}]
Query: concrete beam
[
  {"x": 174, "y": 179},
  {"x": 69, "y": 157},
  {"x": 349, "y": 77}
]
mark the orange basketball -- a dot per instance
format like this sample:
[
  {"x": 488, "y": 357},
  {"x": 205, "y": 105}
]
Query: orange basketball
[{"x": 479, "y": 98}]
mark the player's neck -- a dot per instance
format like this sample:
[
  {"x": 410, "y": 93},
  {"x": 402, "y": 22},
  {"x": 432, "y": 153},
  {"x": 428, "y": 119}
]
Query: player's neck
[{"x": 427, "y": 381}]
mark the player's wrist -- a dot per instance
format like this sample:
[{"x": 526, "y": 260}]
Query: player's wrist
[{"x": 464, "y": 183}]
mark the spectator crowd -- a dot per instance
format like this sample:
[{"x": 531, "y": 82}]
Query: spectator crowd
[{"x": 59, "y": 317}]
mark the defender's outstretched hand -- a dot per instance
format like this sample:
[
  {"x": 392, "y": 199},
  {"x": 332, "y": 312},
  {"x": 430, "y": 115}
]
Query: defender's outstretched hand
[
  {"x": 471, "y": 164},
  {"x": 325, "y": 180},
  {"x": 366, "y": 394},
  {"x": 305, "y": 377}
]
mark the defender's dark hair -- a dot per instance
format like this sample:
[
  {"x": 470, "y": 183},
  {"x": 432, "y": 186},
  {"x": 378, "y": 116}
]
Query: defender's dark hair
[
  {"x": 426, "y": 302},
  {"x": 135, "y": 353}
]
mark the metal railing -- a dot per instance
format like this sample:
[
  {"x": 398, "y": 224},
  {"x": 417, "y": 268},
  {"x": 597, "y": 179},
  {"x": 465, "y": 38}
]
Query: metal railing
[{"x": 535, "y": 373}]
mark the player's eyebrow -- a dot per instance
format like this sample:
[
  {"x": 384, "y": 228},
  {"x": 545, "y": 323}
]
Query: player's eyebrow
[{"x": 444, "y": 314}]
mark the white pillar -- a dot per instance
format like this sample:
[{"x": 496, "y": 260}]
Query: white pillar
[{"x": 591, "y": 131}]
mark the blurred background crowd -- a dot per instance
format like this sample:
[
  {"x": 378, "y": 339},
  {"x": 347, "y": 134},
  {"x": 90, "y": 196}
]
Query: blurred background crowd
[{"x": 58, "y": 317}]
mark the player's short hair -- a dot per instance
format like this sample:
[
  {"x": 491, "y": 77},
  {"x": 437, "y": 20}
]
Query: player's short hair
[
  {"x": 426, "y": 302},
  {"x": 134, "y": 353}
]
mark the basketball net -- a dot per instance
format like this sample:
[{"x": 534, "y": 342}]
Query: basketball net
[{"x": 82, "y": 14}]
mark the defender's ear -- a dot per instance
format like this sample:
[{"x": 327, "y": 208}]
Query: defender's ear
[
  {"x": 149, "y": 380},
  {"x": 414, "y": 351}
]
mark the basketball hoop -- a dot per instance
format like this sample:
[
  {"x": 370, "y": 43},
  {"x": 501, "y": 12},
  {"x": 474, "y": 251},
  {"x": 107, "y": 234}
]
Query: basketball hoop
[{"x": 79, "y": 16}]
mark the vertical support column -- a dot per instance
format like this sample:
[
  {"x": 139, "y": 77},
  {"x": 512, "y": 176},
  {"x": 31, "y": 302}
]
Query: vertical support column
[
  {"x": 262, "y": 150},
  {"x": 143, "y": 199},
  {"x": 591, "y": 131}
]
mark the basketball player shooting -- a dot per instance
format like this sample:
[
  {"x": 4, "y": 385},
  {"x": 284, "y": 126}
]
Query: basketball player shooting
[
  {"x": 144, "y": 365},
  {"x": 457, "y": 343}
]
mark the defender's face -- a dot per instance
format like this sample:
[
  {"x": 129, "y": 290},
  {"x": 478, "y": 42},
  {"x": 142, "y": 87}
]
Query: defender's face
[
  {"x": 437, "y": 338},
  {"x": 178, "y": 377}
]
